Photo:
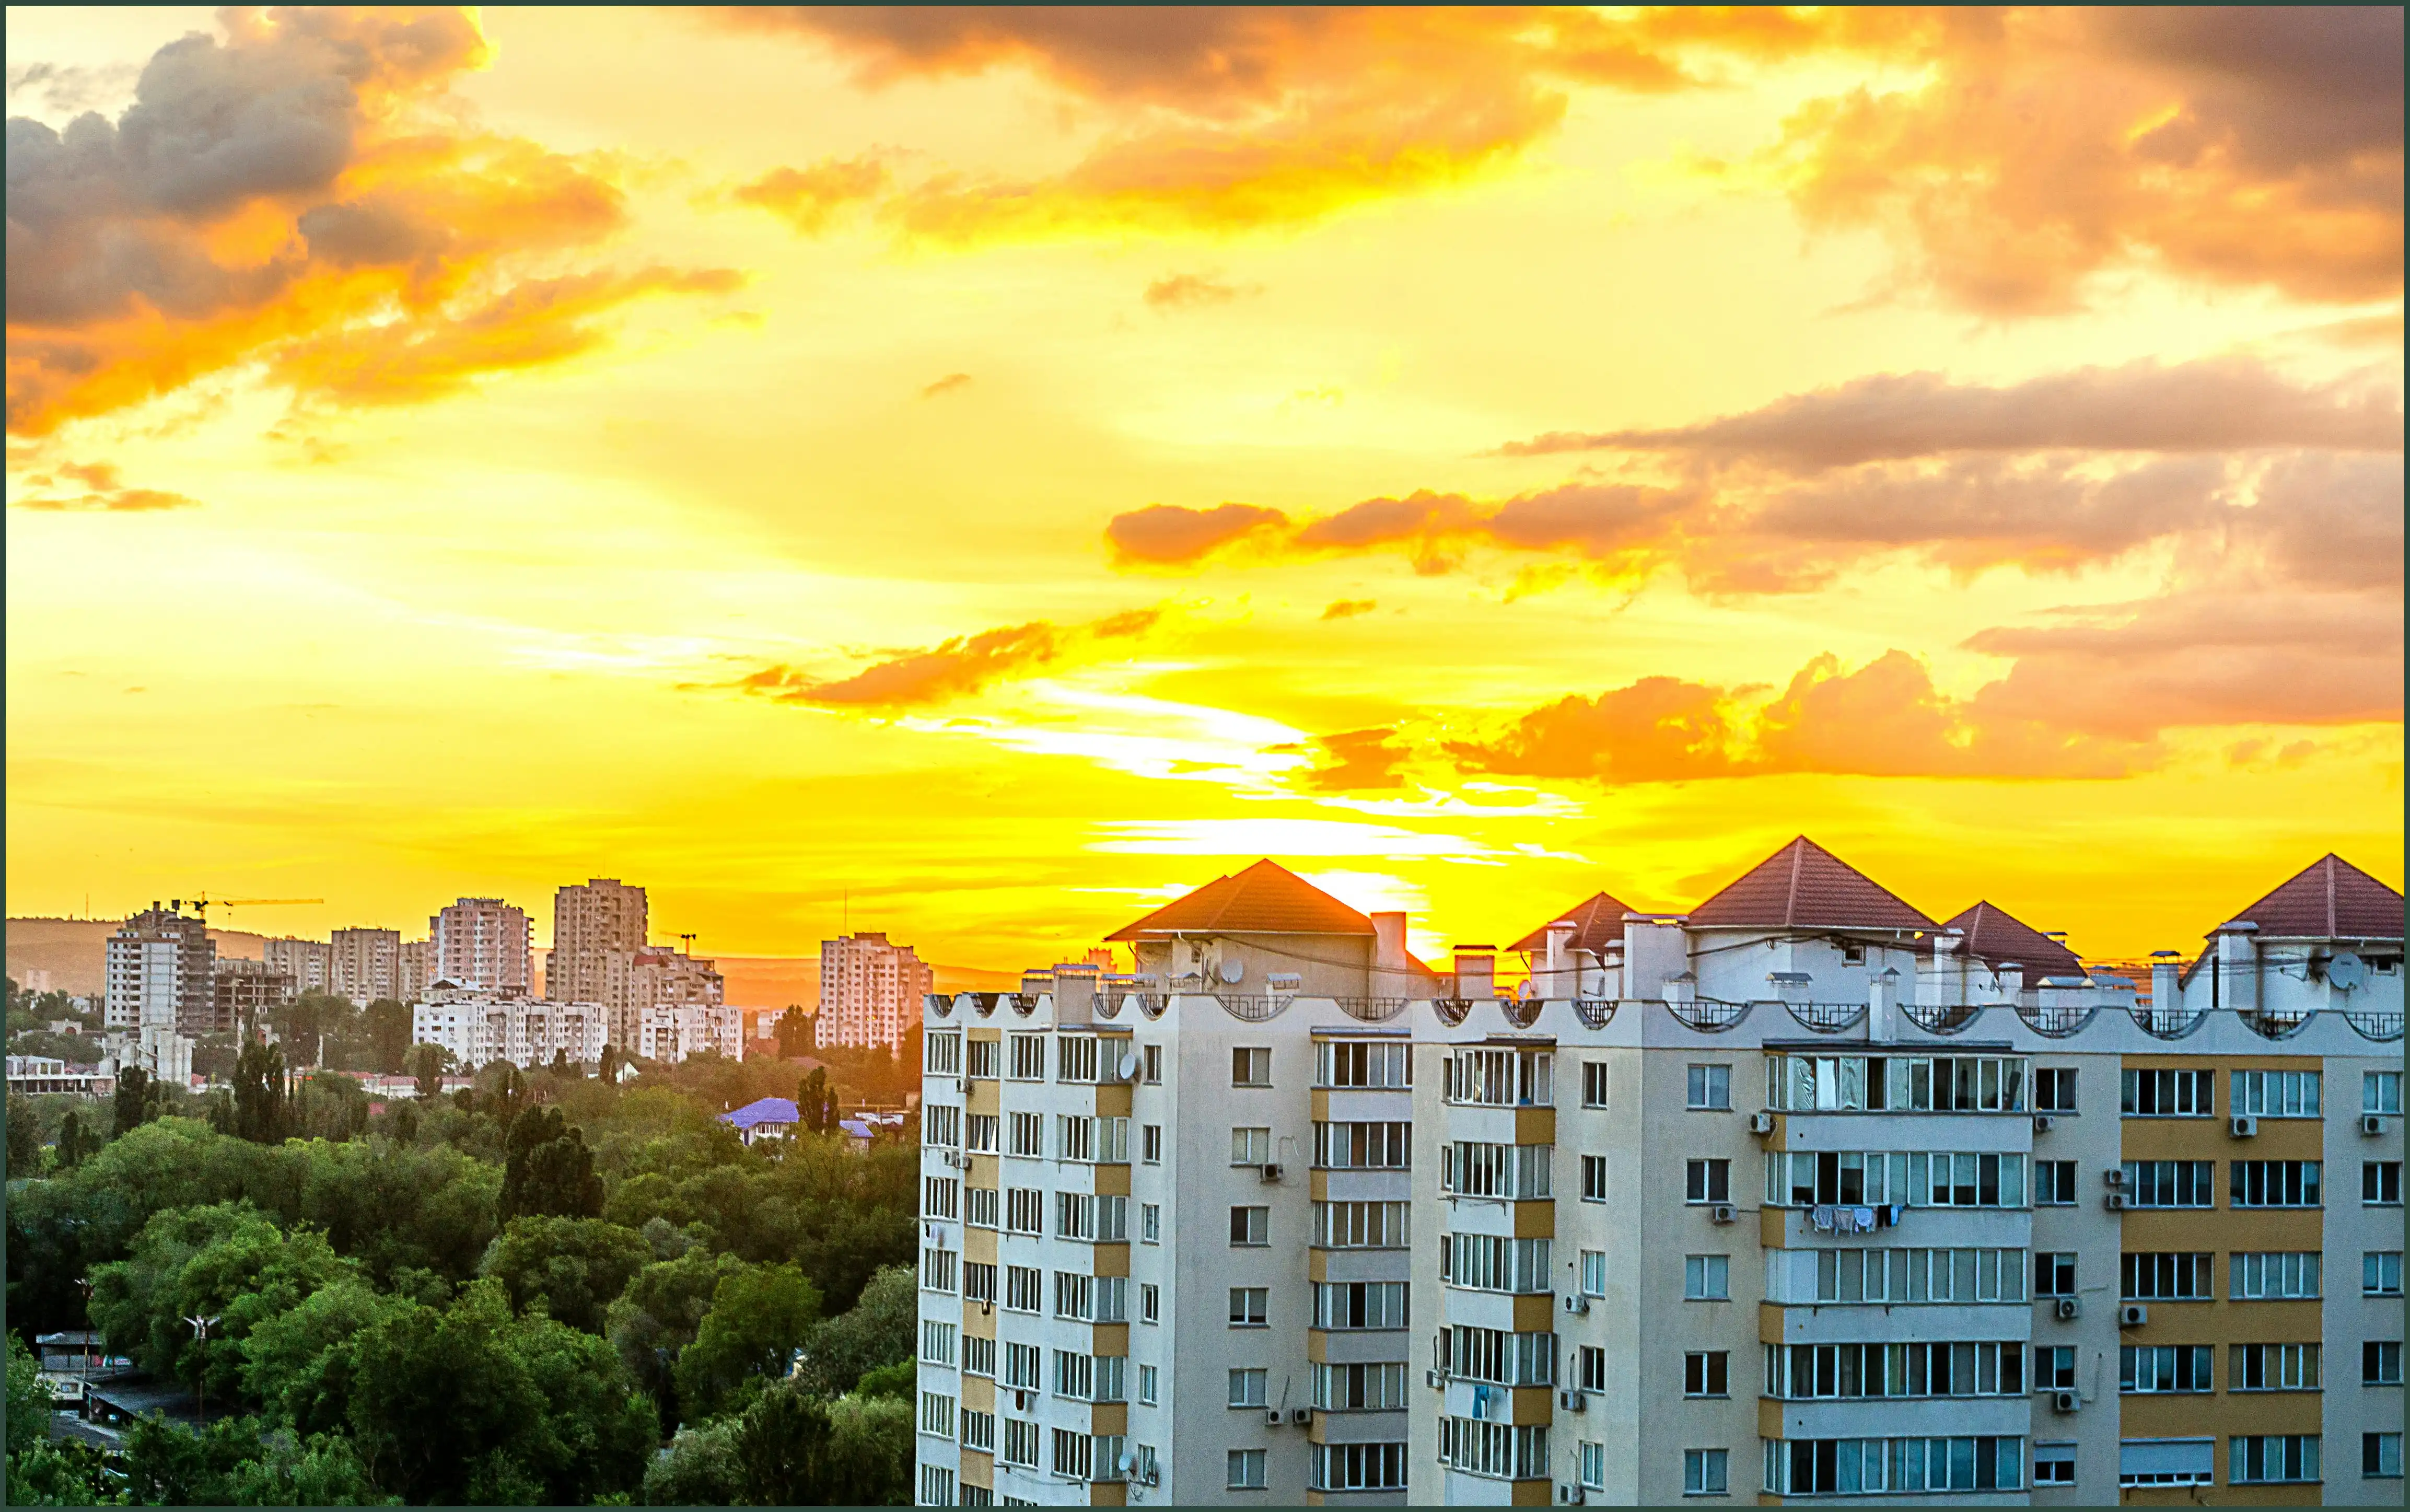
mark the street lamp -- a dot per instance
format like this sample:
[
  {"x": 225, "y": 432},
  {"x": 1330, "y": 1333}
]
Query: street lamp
[{"x": 201, "y": 1336}]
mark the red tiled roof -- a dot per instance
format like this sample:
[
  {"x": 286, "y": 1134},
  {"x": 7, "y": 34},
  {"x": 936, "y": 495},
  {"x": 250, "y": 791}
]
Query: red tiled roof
[
  {"x": 1804, "y": 886},
  {"x": 1264, "y": 899},
  {"x": 1994, "y": 936},
  {"x": 1600, "y": 919},
  {"x": 2332, "y": 899}
]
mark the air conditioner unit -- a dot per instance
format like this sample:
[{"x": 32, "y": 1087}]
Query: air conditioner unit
[
  {"x": 1570, "y": 1495},
  {"x": 1569, "y": 1400},
  {"x": 1576, "y": 1305},
  {"x": 1434, "y": 1380},
  {"x": 2242, "y": 1127},
  {"x": 1270, "y": 1172},
  {"x": 2372, "y": 1123},
  {"x": 2114, "y": 1176},
  {"x": 1761, "y": 1122},
  {"x": 1272, "y": 1416},
  {"x": 1300, "y": 1415},
  {"x": 2065, "y": 1402},
  {"x": 2132, "y": 1315},
  {"x": 2070, "y": 1308},
  {"x": 2114, "y": 1201},
  {"x": 2044, "y": 1122},
  {"x": 1721, "y": 1213}
]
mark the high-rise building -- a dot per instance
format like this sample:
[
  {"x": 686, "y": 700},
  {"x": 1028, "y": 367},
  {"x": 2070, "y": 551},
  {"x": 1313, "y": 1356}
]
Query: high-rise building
[
  {"x": 655, "y": 979},
  {"x": 245, "y": 990},
  {"x": 484, "y": 944},
  {"x": 412, "y": 971},
  {"x": 868, "y": 991},
  {"x": 1800, "y": 1195},
  {"x": 365, "y": 965},
  {"x": 159, "y": 964},
  {"x": 310, "y": 963},
  {"x": 597, "y": 929}
]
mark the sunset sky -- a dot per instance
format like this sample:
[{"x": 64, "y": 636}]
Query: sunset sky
[{"x": 991, "y": 470}]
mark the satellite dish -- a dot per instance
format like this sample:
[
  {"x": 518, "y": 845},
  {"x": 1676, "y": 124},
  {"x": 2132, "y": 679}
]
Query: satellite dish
[
  {"x": 2347, "y": 971},
  {"x": 1126, "y": 1464},
  {"x": 1232, "y": 971},
  {"x": 1129, "y": 1066}
]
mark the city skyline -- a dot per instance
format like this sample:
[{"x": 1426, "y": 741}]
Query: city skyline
[{"x": 989, "y": 473}]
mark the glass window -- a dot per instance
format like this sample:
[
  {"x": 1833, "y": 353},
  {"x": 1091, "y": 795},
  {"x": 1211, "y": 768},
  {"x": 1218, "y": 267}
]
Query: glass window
[
  {"x": 1251, "y": 1146},
  {"x": 1707, "y": 1277},
  {"x": 1704, "y": 1472},
  {"x": 1710, "y": 1088},
  {"x": 1150, "y": 1302},
  {"x": 1247, "y": 1387},
  {"x": 2380, "y": 1362},
  {"x": 1709, "y": 1181},
  {"x": 2380, "y": 1092},
  {"x": 2054, "y": 1464},
  {"x": 2380, "y": 1456},
  {"x": 1152, "y": 1056},
  {"x": 2054, "y": 1183},
  {"x": 2380, "y": 1274},
  {"x": 1705, "y": 1373},
  {"x": 1593, "y": 1084},
  {"x": 1591, "y": 1464},
  {"x": 2167, "y": 1462},
  {"x": 2262, "y": 1459},
  {"x": 1246, "y": 1467},
  {"x": 1151, "y": 1143},
  {"x": 2054, "y": 1091},
  {"x": 1250, "y": 1226},
  {"x": 2054, "y": 1273},
  {"x": 2380, "y": 1181},
  {"x": 1594, "y": 1178},
  {"x": 1150, "y": 1223},
  {"x": 1250, "y": 1306},
  {"x": 1593, "y": 1272},
  {"x": 1251, "y": 1066}
]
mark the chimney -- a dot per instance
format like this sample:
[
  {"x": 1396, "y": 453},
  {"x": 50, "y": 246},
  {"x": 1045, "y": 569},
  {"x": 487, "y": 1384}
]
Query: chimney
[
  {"x": 1476, "y": 971},
  {"x": 2011, "y": 977},
  {"x": 2166, "y": 965},
  {"x": 1881, "y": 993},
  {"x": 2238, "y": 955},
  {"x": 1558, "y": 978},
  {"x": 1392, "y": 976}
]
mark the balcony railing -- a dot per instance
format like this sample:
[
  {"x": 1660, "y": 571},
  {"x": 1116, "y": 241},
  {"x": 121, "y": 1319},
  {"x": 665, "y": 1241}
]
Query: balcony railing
[
  {"x": 1934, "y": 1019},
  {"x": 1827, "y": 1018},
  {"x": 1708, "y": 1015}
]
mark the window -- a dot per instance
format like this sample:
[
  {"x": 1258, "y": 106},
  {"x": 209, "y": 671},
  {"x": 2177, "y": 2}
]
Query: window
[
  {"x": 1490, "y": 1262},
  {"x": 2162, "y": 1094},
  {"x": 1591, "y": 1463},
  {"x": 2273, "y": 1367},
  {"x": 1074, "y": 1295},
  {"x": 1146, "y": 1386},
  {"x": 2054, "y": 1273},
  {"x": 1247, "y": 1387},
  {"x": 979, "y": 1430},
  {"x": 1469, "y": 1169},
  {"x": 2167, "y": 1462},
  {"x": 1363, "y": 1064},
  {"x": 2053, "y": 1367},
  {"x": 1593, "y": 1272},
  {"x": 1495, "y": 1451},
  {"x": 2380, "y": 1274},
  {"x": 1710, "y": 1088},
  {"x": 1150, "y": 1144},
  {"x": 941, "y": 1124},
  {"x": 1029, "y": 1058},
  {"x": 1360, "y": 1304},
  {"x": 979, "y": 1355},
  {"x": 2274, "y": 1094},
  {"x": 1152, "y": 1056},
  {"x": 1075, "y": 1058},
  {"x": 1251, "y": 1066},
  {"x": 978, "y": 1132},
  {"x": 1251, "y": 1227},
  {"x": 1707, "y": 1181},
  {"x": 1246, "y": 1470},
  {"x": 1359, "y": 1225},
  {"x": 2380, "y": 1456},
  {"x": 1024, "y": 1210},
  {"x": 2380, "y": 1092},
  {"x": 2054, "y": 1093},
  {"x": 1811, "y": 1467},
  {"x": 942, "y": 1054},
  {"x": 1376, "y": 1388},
  {"x": 1024, "y": 1288},
  {"x": 2163, "y": 1277},
  {"x": 936, "y": 1485},
  {"x": 1022, "y": 1366},
  {"x": 937, "y": 1269},
  {"x": 1496, "y": 1356},
  {"x": 2275, "y": 1184},
  {"x": 937, "y": 1343},
  {"x": 1973, "y": 1368},
  {"x": 1150, "y": 1223},
  {"x": 1705, "y": 1373},
  {"x": 978, "y": 1282},
  {"x": 2380, "y": 1181},
  {"x": 1074, "y": 1453},
  {"x": 1594, "y": 1178},
  {"x": 1364, "y": 1146},
  {"x": 1250, "y": 1306},
  {"x": 2054, "y": 1464},
  {"x": 1501, "y": 1078},
  {"x": 1704, "y": 1472},
  {"x": 1896, "y": 1275},
  {"x": 2169, "y": 1183},
  {"x": 2054, "y": 1183},
  {"x": 2158, "y": 1368},
  {"x": 1593, "y": 1084},
  {"x": 1028, "y": 1134},
  {"x": 2264, "y": 1459},
  {"x": 1150, "y": 1302},
  {"x": 1873, "y": 1178},
  {"x": 1706, "y": 1278},
  {"x": 2380, "y": 1362},
  {"x": 983, "y": 1059},
  {"x": 1590, "y": 1368},
  {"x": 937, "y": 1414},
  {"x": 1904, "y": 1084},
  {"x": 1251, "y": 1146},
  {"x": 1020, "y": 1443},
  {"x": 939, "y": 1196},
  {"x": 1359, "y": 1467}
]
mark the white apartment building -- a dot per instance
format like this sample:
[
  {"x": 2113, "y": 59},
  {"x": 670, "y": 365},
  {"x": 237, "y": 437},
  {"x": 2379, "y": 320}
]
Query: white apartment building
[
  {"x": 868, "y": 989},
  {"x": 671, "y": 1032},
  {"x": 598, "y": 929},
  {"x": 159, "y": 972},
  {"x": 484, "y": 944},
  {"x": 310, "y": 963},
  {"x": 364, "y": 965},
  {"x": 1800, "y": 1195},
  {"x": 529, "y": 1032}
]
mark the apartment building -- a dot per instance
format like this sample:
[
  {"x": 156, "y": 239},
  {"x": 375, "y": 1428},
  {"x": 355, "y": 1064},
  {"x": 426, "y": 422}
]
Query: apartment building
[
  {"x": 309, "y": 964},
  {"x": 1799, "y": 1196},
  {"x": 868, "y": 989},
  {"x": 527, "y": 1032},
  {"x": 484, "y": 944},
  {"x": 670, "y": 1032},
  {"x": 364, "y": 965},
  {"x": 242, "y": 993},
  {"x": 598, "y": 928},
  {"x": 412, "y": 969},
  {"x": 159, "y": 964}
]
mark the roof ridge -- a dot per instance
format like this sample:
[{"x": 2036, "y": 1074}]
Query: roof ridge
[{"x": 1790, "y": 899}]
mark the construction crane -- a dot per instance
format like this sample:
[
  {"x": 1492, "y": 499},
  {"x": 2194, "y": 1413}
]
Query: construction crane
[
  {"x": 689, "y": 938},
  {"x": 202, "y": 903}
]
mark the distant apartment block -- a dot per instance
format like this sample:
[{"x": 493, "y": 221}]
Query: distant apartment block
[
  {"x": 869, "y": 990},
  {"x": 245, "y": 992},
  {"x": 365, "y": 965},
  {"x": 1801, "y": 1195},
  {"x": 159, "y": 968},
  {"x": 479, "y": 1028},
  {"x": 411, "y": 971},
  {"x": 598, "y": 927},
  {"x": 483, "y": 944},
  {"x": 671, "y": 1032},
  {"x": 310, "y": 963}
]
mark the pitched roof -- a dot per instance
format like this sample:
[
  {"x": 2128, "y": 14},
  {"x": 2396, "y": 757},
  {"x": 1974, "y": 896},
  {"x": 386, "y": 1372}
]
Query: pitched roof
[
  {"x": 1599, "y": 920},
  {"x": 1264, "y": 899},
  {"x": 1994, "y": 935},
  {"x": 763, "y": 1111},
  {"x": 2332, "y": 899},
  {"x": 1804, "y": 886}
]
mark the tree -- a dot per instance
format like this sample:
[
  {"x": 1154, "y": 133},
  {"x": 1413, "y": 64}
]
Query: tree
[
  {"x": 760, "y": 1317},
  {"x": 658, "y": 1313},
  {"x": 44, "y": 1471},
  {"x": 700, "y": 1468},
  {"x": 261, "y": 1111},
  {"x": 877, "y": 1331},
  {"x": 300, "y": 1365},
  {"x": 816, "y": 1101},
  {"x": 74, "y": 1142},
  {"x": 782, "y": 1449},
  {"x": 389, "y": 1027},
  {"x": 24, "y": 1137},
  {"x": 136, "y": 1102},
  {"x": 573, "y": 1268},
  {"x": 794, "y": 1032},
  {"x": 549, "y": 1169},
  {"x": 870, "y": 1451},
  {"x": 429, "y": 1064}
]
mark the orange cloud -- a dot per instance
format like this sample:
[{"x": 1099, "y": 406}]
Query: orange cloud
[
  {"x": 809, "y": 199},
  {"x": 1186, "y": 290},
  {"x": 297, "y": 194},
  {"x": 101, "y": 490},
  {"x": 1348, "y": 608},
  {"x": 947, "y": 385},
  {"x": 1172, "y": 534},
  {"x": 1360, "y": 760},
  {"x": 953, "y": 669}
]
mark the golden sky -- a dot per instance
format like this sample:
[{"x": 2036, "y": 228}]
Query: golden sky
[{"x": 985, "y": 472}]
